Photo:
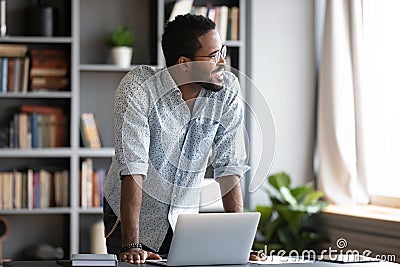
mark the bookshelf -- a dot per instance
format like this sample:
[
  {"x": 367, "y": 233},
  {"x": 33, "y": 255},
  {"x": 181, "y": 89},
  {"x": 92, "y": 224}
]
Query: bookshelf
[{"x": 81, "y": 27}]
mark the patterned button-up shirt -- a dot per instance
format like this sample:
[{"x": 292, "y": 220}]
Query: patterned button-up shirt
[{"x": 159, "y": 137}]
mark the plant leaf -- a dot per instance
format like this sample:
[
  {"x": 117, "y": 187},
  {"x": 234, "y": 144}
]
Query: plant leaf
[
  {"x": 294, "y": 218},
  {"x": 279, "y": 180},
  {"x": 301, "y": 191},
  {"x": 287, "y": 196},
  {"x": 312, "y": 197},
  {"x": 270, "y": 229},
  {"x": 266, "y": 214}
]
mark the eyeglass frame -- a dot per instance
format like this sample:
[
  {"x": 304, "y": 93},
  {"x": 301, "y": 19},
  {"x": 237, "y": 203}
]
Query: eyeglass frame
[{"x": 217, "y": 55}]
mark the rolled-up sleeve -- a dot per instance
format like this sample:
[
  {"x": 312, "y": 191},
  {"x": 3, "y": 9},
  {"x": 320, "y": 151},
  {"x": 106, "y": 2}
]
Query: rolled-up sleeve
[
  {"x": 230, "y": 156},
  {"x": 132, "y": 135}
]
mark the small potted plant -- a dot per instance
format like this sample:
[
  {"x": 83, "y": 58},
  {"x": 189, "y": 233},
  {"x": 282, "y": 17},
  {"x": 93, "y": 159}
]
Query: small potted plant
[{"x": 121, "y": 41}]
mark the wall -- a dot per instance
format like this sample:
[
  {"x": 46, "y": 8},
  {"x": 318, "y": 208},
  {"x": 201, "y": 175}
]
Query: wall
[{"x": 283, "y": 66}]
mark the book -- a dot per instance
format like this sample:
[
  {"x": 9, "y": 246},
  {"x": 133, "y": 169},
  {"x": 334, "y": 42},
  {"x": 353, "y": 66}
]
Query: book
[
  {"x": 4, "y": 74},
  {"x": 234, "y": 27},
  {"x": 25, "y": 75},
  {"x": 89, "y": 131},
  {"x": 50, "y": 125},
  {"x": 48, "y": 83},
  {"x": 49, "y": 58},
  {"x": 13, "y": 50},
  {"x": 48, "y": 72},
  {"x": 94, "y": 260},
  {"x": 222, "y": 22},
  {"x": 181, "y": 7}
]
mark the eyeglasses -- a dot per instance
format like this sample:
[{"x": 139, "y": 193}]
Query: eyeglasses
[{"x": 217, "y": 55}]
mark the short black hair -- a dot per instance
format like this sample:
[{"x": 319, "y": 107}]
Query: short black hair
[{"x": 180, "y": 37}]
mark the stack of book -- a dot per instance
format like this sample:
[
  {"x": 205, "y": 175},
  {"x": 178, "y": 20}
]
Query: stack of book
[
  {"x": 92, "y": 183},
  {"x": 37, "y": 127},
  {"x": 49, "y": 69},
  {"x": 14, "y": 68},
  {"x": 32, "y": 189},
  {"x": 94, "y": 260}
]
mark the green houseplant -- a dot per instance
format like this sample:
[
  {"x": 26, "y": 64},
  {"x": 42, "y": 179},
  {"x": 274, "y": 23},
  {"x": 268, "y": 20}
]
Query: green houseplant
[
  {"x": 121, "y": 41},
  {"x": 121, "y": 37},
  {"x": 283, "y": 224}
]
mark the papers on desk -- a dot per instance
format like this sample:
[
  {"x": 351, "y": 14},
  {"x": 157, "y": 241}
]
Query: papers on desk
[
  {"x": 94, "y": 260},
  {"x": 280, "y": 260}
]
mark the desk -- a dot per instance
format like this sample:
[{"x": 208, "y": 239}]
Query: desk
[{"x": 122, "y": 264}]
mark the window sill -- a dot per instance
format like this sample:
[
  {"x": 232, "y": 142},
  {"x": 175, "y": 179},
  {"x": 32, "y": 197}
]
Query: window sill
[
  {"x": 372, "y": 212},
  {"x": 363, "y": 227}
]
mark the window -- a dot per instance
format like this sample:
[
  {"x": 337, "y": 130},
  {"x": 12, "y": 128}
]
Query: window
[{"x": 381, "y": 22}]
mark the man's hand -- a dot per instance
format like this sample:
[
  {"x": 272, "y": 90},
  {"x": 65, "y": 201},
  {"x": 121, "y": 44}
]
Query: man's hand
[
  {"x": 137, "y": 256},
  {"x": 257, "y": 255}
]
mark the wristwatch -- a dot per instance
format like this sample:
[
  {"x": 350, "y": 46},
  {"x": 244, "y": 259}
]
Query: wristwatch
[{"x": 129, "y": 246}]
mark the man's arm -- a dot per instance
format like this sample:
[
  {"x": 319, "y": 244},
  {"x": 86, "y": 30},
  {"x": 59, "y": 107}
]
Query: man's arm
[
  {"x": 231, "y": 193},
  {"x": 130, "y": 204},
  {"x": 131, "y": 201}
]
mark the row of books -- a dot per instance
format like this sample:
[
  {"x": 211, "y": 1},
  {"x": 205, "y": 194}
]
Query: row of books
[
  {"x": 39, "y": 69},
  {"x": 37, "y": 127},
  {"x": 34, "y": 189},
  {"x": 92, "y": 184},
  {"x": 226, "y": 18},
  {"x": 14, "y": 74}
]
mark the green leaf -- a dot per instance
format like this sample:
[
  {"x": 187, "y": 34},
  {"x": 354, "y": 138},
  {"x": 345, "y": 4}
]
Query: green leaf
[
  {"x": 266, "y": 214},
  {"x": 121, "y": 37},
  {"x": 295, "y": 219},
  {"x": 270, "y": 229},
  {"x": 279, "y": 180},
  {"x": 312, "y": 197},
  {"x": 301, "y": 191},
  {"x": 287, "y": 196}
]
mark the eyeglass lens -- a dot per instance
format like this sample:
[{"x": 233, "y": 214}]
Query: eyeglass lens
[{"x": 221, "y": 53}]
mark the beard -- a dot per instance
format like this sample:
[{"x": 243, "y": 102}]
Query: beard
[
  {"x": 211, "y": 86},
  {"x": 211, "y": 81}
]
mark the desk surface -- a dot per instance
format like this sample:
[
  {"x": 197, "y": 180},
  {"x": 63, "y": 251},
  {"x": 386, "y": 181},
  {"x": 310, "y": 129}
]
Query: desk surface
[{"x": 122, "y": 264}]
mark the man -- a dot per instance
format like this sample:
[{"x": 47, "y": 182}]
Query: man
[{"x": 167, "y": 125}]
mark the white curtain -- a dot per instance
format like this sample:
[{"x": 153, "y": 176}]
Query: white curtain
[{"x": 340, "y": 124}]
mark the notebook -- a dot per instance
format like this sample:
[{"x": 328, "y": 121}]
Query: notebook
[{"x": 212, "y": 239}]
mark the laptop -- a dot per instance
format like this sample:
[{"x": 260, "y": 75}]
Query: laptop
[{"x": 212, "y": 239}]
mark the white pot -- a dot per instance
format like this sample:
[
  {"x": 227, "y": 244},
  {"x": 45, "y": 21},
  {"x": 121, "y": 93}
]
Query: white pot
[{"x": 122, "y": 55}]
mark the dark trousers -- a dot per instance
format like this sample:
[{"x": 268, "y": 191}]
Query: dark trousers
[{"x": 112, "y": 230}]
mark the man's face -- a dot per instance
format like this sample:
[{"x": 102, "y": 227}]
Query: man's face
[{"x": 208, "y": 62}]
